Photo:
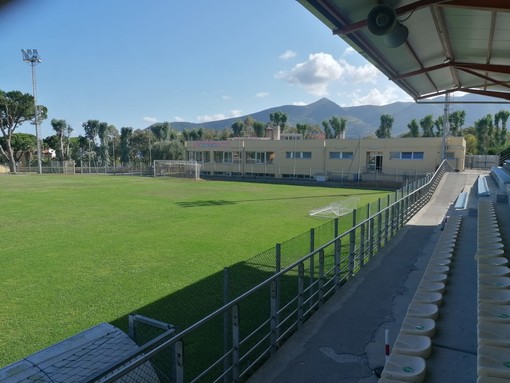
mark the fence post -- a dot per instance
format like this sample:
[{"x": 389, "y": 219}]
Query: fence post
[
  {"x": 274, "y": 314},
  {"x": 371, "y": 225},
  {"x": 312, "y": 264},
  {"x": 225, "y": 323},
  {"x": 362, "y": 245},
  {"x": 179, "y": 363},
  {"x": 321, "y": 277},
  {"x": 387, "y": 225},
  {"x": 235, "y": 343},
  {"x": 336, "y": 228},
  {"x": 338, "y": 255},
  {"x": 278, "y": 284},
  {"x": 352, "y": 244},
  {"x": 379, "y": 223},
  {"x": 301, "y": 299}
]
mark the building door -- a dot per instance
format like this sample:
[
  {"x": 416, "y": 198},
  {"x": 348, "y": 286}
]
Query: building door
[{"x": 374, "y": 162}]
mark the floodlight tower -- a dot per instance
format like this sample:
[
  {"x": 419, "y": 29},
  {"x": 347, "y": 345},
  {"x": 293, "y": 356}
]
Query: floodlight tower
[{"x": 32, "y": 56}]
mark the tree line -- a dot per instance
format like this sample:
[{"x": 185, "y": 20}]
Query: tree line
[{"x": 104, "y": 145}]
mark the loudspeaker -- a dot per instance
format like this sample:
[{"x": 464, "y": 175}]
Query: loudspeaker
[
  {"x": 397, "y": 36},
  {"x": 381, "y": 19}
]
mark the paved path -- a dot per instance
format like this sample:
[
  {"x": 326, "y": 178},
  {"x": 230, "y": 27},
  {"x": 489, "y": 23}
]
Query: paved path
[{"x": 344, "y": 340}]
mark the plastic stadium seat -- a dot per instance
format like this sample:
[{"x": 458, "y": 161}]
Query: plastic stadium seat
[
  {"x": 440, "y": 261},
  {"x": 495, "y": 271},
  {"x": 493, "y": 313},
  {"x": 493, "y": 282},
  {"x": 494, "y": 334},
  {"x": 489, "y": 379},
  {"x": 415, "y": 345},
  {"x": 493, "y": 261},
  {"x": 418, "y": 326},
  {"x": 489, "y": 253},
  {"x": 422, "y": 296},
  {"x": 423, "y": 310},
  {"x": 405, "y": 368},
  {"x": 438, "y": 287},
  {"x": 494, "y": 361},
  {"x": 494, "y": 296}
]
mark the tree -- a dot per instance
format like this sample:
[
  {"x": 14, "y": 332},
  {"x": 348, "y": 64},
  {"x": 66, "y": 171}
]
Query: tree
[
  {"x": 384, "y": 130},
  {"x": 278, "y": 119},
  {"x": 238, "y": 128},
  {"x": 161, "y": 131},
  {"x": 471, "y": 144},
  {"x": 501, "y": 116},
  {"x": 439, "y": 124},
  {"x": 457, "y": 120},
  {"x": 15, "y": 109},
  {"x": 414, "y": 128},
  {"x": 259, "y": 128},
  {"x": 427, "y": 126},
  {"x": 63, "y": 131},
  {"x": 334, "y": 127},
  {"x": 23, "y": 144},
  {"x": 125, "y": 144},
  {"x": 484, "y": 128}
]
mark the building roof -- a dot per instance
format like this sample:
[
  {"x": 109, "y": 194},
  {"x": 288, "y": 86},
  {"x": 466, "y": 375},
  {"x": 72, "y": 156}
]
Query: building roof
[{"x": 456, "y": 45}]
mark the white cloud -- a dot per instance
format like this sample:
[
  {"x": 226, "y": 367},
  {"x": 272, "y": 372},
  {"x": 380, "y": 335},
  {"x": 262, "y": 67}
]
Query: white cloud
[
  {"x": 288, "y": 54},
  {"x": 360, "y": 74},
  {"x": 321, "y": 70},
  {"x": 299, "y": 103},
  {"x": 150, "y": 120},
  {"x": 226, "y": 97},
  {"x": 179, "y": 119},
  {"x": 315, "y": 74},
  {"x": 377, "y": 97},
  {"x": 349, "y": 51},
  {"x": 219, "y": 116},
  {"x": 262, "y": 94}
]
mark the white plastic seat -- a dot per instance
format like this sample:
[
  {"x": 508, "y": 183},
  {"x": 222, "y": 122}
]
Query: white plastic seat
[
  {"x": 493, "y": 261},
  {"x": 494, "y": 361},
  {"x": 437, "y": 269},
  {"x": 494, "y": 296},
  {"x": 440, "y": 261},
  {"x": 494, "y": 333},
  {"x": 485, "y": 281},
  {"x": 489, "y": 253},
  {"x": 434, "y": 277},
  {"x": 406, "y": 368},
  {"x": 415, "y": 345},
  {"x": 493, "y": 313},
  {"x": 427, "y": 285},
  {"x": 496, "y": 271},
  {"x": 418, "y": 326},
  {"x": 423, "y": 296},
  {"x": 423, "y": 310}
]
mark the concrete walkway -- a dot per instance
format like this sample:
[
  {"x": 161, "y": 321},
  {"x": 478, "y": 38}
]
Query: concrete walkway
[{"x": 344, "y": 340}]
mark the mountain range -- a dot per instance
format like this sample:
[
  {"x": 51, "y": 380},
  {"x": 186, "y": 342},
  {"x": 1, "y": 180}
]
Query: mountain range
[{"x": 363, "y": 121}]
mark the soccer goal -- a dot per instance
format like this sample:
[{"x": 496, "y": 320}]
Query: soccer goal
[
  {"x": 336, "y": 209},
  {"x": 179, "y": 169}
]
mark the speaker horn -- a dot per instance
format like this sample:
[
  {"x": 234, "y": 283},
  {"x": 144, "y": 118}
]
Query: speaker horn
[
  {"x": 381, "y": 19},
  {"x": 397, "y": 36}
]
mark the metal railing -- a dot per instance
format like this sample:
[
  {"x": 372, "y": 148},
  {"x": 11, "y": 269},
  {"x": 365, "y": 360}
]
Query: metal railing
[{"x": 251, "y": 327}]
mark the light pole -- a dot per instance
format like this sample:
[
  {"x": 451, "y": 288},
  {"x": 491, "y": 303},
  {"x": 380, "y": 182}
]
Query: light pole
[{"x": 32, "y": 56}]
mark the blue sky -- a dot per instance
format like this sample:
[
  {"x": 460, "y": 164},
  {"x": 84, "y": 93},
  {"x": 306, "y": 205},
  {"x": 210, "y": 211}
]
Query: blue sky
[{"x": 132, "y": 63}]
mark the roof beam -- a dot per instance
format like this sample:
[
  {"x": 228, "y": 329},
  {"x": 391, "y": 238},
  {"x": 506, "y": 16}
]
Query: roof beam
[
  {"x": 483, "y": 67},
  {"x": 489, "y": 80},
  {"x": 493, "y": 5}
]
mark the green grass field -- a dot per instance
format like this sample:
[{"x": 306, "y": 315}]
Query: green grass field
[{"x": 78, "y": 250}]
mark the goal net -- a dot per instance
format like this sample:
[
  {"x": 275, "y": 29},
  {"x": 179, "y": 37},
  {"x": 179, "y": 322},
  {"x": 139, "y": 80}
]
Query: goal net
[
  {"x": 179, "y": 169},
  {"x": 336, "y": 209}
]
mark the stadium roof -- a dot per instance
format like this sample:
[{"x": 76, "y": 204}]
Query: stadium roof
[{"x": 455, "y": 45}]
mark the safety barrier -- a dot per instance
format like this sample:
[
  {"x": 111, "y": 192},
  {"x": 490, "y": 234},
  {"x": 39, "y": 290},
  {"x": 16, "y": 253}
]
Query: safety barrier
[
  {"x": 462, "y": 201},
  {"x": 493, "y": 361},
  {"x": 407, "y": 361},
  {"x": 483, "y": 188},
  {"x": 500, "y": 176}
]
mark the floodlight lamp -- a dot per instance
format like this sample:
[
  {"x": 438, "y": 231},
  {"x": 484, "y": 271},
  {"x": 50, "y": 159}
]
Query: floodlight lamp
[{"x": 30, "y": 55}]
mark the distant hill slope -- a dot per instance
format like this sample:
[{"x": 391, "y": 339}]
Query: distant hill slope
[{"x": 362, "y": 120}]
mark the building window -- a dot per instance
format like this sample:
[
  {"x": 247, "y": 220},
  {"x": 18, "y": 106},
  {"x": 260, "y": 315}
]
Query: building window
[
  {"x": 259, "y": 157},
  {"x": 407, "y": 156},
  {"x": 201, "y": 157},
  {"x": 300, "y": 155},
  {"x": 227, "y": 157},
  {"x": 340, "y": 155}
]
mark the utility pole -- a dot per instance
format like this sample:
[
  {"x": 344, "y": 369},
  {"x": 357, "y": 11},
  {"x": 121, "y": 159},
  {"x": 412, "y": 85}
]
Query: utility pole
[{"x": 32, "y": 56}]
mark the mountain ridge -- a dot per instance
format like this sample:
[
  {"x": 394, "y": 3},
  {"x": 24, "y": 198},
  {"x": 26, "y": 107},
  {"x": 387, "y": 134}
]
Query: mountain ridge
[{"x": 363, "y": 120}]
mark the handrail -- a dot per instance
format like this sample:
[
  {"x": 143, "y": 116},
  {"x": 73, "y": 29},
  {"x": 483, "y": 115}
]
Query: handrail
[{"x": 136, "y": 359}]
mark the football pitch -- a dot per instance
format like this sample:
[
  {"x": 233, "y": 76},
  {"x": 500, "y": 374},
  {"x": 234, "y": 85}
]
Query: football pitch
[{"x": 77, "y": 250}]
